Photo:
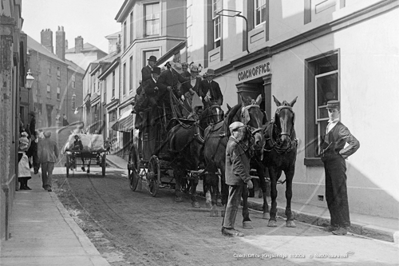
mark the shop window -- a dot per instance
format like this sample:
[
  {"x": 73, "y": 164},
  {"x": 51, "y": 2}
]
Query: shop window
[
  {"x": 151, "y": 19},
  {"x": 322, "y": 85}
]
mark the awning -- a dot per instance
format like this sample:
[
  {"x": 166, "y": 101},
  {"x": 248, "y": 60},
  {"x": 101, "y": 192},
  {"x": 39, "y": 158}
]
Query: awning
[{"x": 124, "y": 124}]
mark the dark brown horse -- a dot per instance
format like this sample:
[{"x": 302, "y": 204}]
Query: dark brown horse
[
  {"x": 280, "y": 155},
  {"x": 216, "y": 138},
  {"x": 184, "y": 144}
]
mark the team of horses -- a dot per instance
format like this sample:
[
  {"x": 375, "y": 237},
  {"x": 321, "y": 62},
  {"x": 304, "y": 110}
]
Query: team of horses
[{"x": 201, "y": 143}]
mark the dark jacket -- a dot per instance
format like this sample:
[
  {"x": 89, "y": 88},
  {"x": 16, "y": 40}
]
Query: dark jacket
[
  {"x": 151, "y": 91},
  {"x": 215, "y": 92},
  {"x": 167, "y": 78},
  {"x": 237, "y": 163},
  {"x": 47, "y": 151},
  {"x": 77, "y": 145},
  {"x": 146, "y": 73},
  {"x": 334, "y": 143}
]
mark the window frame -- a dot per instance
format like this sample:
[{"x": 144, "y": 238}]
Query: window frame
[
  {"x": 155, "y": 30},
  {"x": 256, "y": 8},
  {"x": 131, "y": 73},
  {"x": 124, "y": 80},
  {"x": 131, "y": 27},
  {"x": 48, "y": 91},
  {"x": 58, "y": 93},
  {"x": 315, "y": 125},
  {"x": 113, "y": 84},
  {"x": 217, "y": 22}
]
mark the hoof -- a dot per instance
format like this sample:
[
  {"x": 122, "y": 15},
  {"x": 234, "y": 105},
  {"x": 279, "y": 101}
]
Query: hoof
[
  {"x": 178, "y": 199},
  {"x": 219, "y": 203},
  {"x": 247, "y": 225},
  {"x": 272, "y": 223},
  {"x": 266, "y": 215},
  {"x": 290, "y": 224},
  {"x": 195, "y": 204},
  {"x": 214, "y": 213}
]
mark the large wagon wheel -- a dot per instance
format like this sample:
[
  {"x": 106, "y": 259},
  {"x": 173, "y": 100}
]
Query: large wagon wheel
[
  {"x": 153, "y": 175},
  {"x": 103, "y": 163},
  {"x": 133, "y": 169}
]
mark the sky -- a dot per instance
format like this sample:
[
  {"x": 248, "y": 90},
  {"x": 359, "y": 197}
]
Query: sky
[{"x": 91, "y": 19}]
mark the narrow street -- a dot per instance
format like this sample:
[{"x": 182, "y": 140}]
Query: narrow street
[{"x": 133, "y": 228}]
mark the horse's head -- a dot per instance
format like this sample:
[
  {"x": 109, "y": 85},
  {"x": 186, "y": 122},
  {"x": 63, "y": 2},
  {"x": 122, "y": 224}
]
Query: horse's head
[
  {"x": 255, "y": 118},
  {"x": 213, "y": 114},
  {"x": 284, "y": 119}
]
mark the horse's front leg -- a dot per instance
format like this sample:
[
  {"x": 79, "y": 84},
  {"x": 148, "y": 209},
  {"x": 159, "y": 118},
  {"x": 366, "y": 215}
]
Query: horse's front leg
[
  {"x": 246, "y": 223},
  {"x": 288, "y": 195},
  {"x": 193, "y": 191},
  {"x": 211, "y": 181},
  {"x": 273, "y": 209},
  {"x": 262, "y": 184}
]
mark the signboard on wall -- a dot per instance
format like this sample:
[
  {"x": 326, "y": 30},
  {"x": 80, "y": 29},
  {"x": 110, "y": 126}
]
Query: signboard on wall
[{"x": 253, "y": 71}]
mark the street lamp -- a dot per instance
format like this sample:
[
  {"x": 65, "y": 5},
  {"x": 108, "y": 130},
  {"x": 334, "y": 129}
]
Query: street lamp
[
  {"x": 234, "y": 13},
  {"x": 28, "y": 85}
]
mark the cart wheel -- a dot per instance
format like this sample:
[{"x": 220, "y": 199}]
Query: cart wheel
[
  {"x": 133, "y": 168},
  {"x": 153, "y": 175},
  {"x": 67, "y": 165},
  {"x": 103, "y": 163}
]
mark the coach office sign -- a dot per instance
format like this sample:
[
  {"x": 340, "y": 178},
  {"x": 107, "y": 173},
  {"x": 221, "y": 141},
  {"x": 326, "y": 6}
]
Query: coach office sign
[{"x": 254, "y": 71}]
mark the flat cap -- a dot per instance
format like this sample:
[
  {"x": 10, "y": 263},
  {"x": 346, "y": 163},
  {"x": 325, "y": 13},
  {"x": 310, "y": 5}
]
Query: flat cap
[
  {"x": 235, "y": 125},
  {"x": 333, "y": 104}
]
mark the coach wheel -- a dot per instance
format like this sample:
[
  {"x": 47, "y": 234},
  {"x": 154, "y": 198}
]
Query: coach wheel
[{"x": 153, "y": 175}]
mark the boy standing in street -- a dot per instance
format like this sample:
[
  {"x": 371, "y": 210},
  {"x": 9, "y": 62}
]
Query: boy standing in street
[
  {"x": 333, "y": 156},
  {"x": 237, "y": 175}
]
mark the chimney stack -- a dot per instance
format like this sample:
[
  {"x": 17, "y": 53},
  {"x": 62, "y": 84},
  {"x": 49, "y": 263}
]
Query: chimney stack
[
  {"x": 78, "y": 44},
  {"x": 60, "y": 43},
  {"x": 46, "y": 39}
]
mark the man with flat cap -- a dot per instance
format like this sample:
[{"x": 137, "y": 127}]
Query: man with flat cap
[
  {"x": 334, "y": 154},
  {"x": 147, "y": 70},
  {"x": 237, "y": 175}
]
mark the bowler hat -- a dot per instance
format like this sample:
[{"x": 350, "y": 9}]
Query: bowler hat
[
  {"x": 152, "y": 58},
  {"x": 235, "y": 125},
  {"x": 209, "y": 73},
  {"x": 333, "y": 104},
  {"x": 156, "y": 70}
]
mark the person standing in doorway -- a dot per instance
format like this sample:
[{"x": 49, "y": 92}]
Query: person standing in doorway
[
  {"x": 334, "y": 154},
  {"x": 24, "y": 173},
  {"x": 47, "y": 151},
  {"x": 237, "y": 175}
]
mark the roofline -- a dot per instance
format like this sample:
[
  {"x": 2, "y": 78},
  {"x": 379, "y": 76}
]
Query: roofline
[
  {"x": 106, "y": 72},
  {"x": 123, "y": 8}
]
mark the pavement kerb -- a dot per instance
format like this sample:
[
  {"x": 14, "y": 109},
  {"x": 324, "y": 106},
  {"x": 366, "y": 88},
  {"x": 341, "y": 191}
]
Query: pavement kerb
[
  {"x": 371, "y": 231},
  {"x": 84, "y": 241}
]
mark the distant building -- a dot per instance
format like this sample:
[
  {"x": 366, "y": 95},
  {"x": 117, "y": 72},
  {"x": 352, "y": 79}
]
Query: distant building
[
  {"x": 83, "y": 53},
  {"x": 57, "y": 88}
]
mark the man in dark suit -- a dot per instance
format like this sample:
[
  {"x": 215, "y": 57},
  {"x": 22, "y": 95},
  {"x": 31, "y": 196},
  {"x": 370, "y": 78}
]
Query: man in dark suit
[
  {"x": 147, "y": 70},
  {"x": 210, "y": 90},
  {"x": 150, "y": 87},
  {"x": 170, "y": 79},
  {"x": 333, "y": 156}
]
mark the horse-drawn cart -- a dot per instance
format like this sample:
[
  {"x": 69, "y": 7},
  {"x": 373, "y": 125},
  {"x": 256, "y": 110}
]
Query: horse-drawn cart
[
  {"x": 91, "y": 152},
  {"x": 166, "y": 151},
  {"x": 89, "y": 157}
]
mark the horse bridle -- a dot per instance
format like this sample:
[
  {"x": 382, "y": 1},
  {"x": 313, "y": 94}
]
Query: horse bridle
[{"x": 283, "y": 133}]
